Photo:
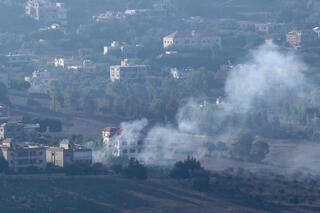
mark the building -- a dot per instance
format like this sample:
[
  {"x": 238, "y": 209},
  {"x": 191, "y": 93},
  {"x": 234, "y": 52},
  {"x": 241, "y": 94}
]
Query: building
[
  {"x": 68, "y": 153},
  {"x": 18, "y": 59},
  {"x": 120, "y": 144},
  {"x": 128, "y": 70},
  {"x": 108, "y": 133},
  {"x": 76, "y": 65},
  {"x": 4, "y": 77},
  {"x": 21, "y": 156},
  {"x": 114, "y": 47},
  {"x": 39, "y": 82},
  {"x": 180, "y": 74},
  {"x": 4, "y": 114},
  {"x": 260, "y": 27},
  {"x": 12, "y": 130},
  {"x": 268, "y": 27},
  {"x": 109, "y": 16},
  {"x": 300, "y": 38},
  {"x": 66, "y": 63},
  {"x": 192, "y": 39},
  {"x": 88, "y": 66},
  {"x": 47, "y": 12}
]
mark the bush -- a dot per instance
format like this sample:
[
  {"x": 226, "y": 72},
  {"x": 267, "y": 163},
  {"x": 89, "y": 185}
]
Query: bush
[
  {"x": 200, "y": 180},
  {"x": 77, "y": 169},
  {"x": 20, "y": 84},
  {"x": 4, "y": 166},
  {"x": 135, "y": 170},
  {"x": 54, "y": 125},
  {"x": 182, "y": 169},
  {"x": 117, "y": 168},
  {"x": 259, "y": 150}
]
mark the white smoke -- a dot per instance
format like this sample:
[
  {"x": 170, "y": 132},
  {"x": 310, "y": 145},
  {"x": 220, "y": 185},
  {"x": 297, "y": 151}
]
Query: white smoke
[
  {"x": 269, "y": 75},
  {"x": 269, "y": 78}
]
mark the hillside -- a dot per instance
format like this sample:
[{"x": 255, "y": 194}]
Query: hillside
[{"x": 113, "y": 194}]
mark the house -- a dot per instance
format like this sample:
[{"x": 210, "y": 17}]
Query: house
[
  {"x": 67, "y": 62},
  {"x": 75, "y": 65},
  {"x": 18, "y": 59},
  {"x": 114, "y": 47},
  {"x": 119, "y": 143},
  {"x": 246, "y": 25},
  {"x": 68, "y": 153},
  {"x": 300, "y": 38},
  {"x": 39, "y": 82},
  {"x": 268, "y": 27},
  {"x": 109, "y": 16},
  {"x": 12, "y": 130},
  {"x": 4, "y": 77},
  {"x": 21, "y": 156},
  {"x": 127, "y": 71},
  {"x": 191, "y": 39},
  {"x": 108, "y": 133},
  {"x": 180, "y": 74},
  {"x": 47, "y": 12}
]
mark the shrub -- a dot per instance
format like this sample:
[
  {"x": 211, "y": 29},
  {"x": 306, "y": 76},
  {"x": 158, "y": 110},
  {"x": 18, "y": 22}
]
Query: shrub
[
  {"x": 200, "y": 180},
  {"x": 135, "y": 170},
  {"x": 4, "y": 166},
  {"x": 182, "y": 169}
]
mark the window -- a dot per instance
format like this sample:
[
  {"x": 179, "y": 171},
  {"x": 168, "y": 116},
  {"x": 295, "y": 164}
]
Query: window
[{"x": 125, "y": 151}]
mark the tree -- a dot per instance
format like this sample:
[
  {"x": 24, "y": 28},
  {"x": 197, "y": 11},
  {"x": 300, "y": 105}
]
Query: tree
[
  {"x": 259, "y": 150},
  {"x": 241, "y": 147},
  {"x": 19, "y": 84},
  {"x": 135, "y": 170},
  {"x": 4, "y": 166},
  {"x": 88, "y": 104},
  {"x": 183, "y": 169},
  {"x": 4, "y": 98},
  {"x": 53, "y": 125}
]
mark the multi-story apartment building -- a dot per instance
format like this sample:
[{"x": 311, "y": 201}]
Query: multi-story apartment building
[
  {"x": 300, "y": 38},
  {"x": 192, "y": 39},
  {"x": 21, "y": 156},
  {"x": 127, "y": 71},
  {"x": 120, "y": 144},
  {"x": 68, "y": 153}
]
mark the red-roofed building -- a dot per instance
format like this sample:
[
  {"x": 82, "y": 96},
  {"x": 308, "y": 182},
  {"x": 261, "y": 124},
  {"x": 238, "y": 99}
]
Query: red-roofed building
[
  {"x": 108, "y": 133},
  {"x": 123, "y": 142},
  {"x": 191, "y": 39}
]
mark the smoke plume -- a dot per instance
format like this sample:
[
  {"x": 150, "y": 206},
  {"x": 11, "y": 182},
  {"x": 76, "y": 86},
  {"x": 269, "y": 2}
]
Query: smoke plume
[{"x": 268, "y": 78}]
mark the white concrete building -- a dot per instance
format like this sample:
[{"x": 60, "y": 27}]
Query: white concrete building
[
  {"x": 192, "y": 39},
  {"x": 114, "y": 47},
  {"x": 180, "y": 73},
  {"x": 109, "y": 16},
  {"x": 128, "y": 70},
  {"x": 120, "y": 144}
]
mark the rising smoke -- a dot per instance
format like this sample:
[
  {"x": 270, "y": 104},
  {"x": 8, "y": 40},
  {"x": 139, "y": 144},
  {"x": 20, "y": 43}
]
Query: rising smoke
[{"x": 268, "y": 78}]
